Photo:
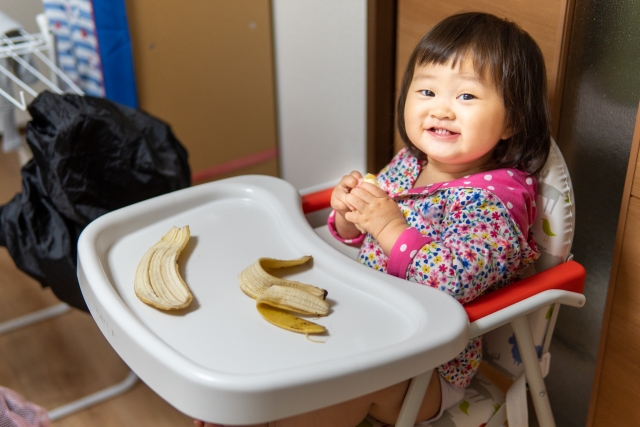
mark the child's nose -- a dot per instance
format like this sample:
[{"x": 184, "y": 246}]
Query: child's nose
[{"x": 442, "y": 111}]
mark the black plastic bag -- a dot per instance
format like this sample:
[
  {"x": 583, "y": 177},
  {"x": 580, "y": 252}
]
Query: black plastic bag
[{"x": 90, "y": 156}]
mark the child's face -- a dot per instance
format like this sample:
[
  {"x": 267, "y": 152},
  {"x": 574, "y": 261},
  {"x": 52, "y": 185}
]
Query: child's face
[{"x": 454, "y": 116}]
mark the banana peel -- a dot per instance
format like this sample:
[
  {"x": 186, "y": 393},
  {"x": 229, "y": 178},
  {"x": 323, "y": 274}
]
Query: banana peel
[
  {"x": 276, "y": 298},
  {"x": 288, "y": 321},
  {"x": 157, "y": 280}
]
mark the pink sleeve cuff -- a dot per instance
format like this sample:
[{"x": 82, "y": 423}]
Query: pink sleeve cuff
[
  {"x": 404, "y": 250},
  {"x": 331, "y": 222}
]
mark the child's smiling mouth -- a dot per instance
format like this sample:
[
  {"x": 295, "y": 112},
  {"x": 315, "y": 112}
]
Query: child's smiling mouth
[{"x": 442, "y": 132}]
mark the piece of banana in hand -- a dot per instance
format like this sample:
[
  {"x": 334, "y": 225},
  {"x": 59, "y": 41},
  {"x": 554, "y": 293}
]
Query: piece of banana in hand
[
  {"x": 275, "y": 297},
  {"x": 371, "y": 179},
  {"x": 157, "y": 281}
]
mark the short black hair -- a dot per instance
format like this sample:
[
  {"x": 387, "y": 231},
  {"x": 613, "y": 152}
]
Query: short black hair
[{"x": 512, "y": 61}]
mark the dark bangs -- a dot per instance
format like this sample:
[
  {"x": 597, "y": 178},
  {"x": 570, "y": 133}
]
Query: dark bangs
[{"x": 505, "y": 57}]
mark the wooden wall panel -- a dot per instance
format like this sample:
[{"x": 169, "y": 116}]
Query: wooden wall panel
[
  {"x": 545, "y": 20},
  {"x": 616, "y": 386},
  {"x": 635, "y": 189},
  {"x": 381, "y": 71},
  {"x": 619, "y": 385},
  {"x": 206, "y": 67}
]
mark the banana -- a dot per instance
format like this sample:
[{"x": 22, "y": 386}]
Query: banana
[
  {"x": 157, "y": 281},
  {"x": 371, "y": 179},
  {"x": 274, "y": 295}
]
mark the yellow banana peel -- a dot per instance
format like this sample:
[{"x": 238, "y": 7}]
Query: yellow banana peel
[
  {"x": 157, "y": 280},
  {"x": 276, "y": 297},
  {"x": 288, "y": 321}
]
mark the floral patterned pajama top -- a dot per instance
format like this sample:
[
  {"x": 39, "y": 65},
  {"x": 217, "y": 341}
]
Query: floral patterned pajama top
[{"x": 465, "y": 237}]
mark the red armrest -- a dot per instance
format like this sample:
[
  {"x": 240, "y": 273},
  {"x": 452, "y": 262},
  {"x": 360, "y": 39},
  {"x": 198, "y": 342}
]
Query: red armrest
[
  {"x": 568, "y": 276},
  {"x": 316, "y": 201}
]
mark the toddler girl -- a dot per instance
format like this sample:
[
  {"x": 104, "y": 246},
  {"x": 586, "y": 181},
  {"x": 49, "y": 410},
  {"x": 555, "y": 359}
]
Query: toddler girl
[{"x": 453, "y": 209}]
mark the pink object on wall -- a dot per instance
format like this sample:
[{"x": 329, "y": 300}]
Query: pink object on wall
[{"x": 235, "y": 164}]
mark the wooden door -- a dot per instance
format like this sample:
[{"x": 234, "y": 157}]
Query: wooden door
[{"x": 206, "y": 68}]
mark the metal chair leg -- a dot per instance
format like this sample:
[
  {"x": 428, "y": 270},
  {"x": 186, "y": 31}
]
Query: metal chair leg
[
  {"x": 94, "y": 398},
  {"x": 82, "y": 403},
  {"x": 532, "y": 372},
  {"x": 413, "y": 400},
  {"x": 33, "y": 318}
]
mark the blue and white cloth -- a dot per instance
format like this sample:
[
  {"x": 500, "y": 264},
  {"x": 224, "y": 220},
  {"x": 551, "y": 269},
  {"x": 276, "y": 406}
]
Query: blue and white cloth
[
  {"x": 78, "y": 54},
  {"x": 94, "y": 46}
]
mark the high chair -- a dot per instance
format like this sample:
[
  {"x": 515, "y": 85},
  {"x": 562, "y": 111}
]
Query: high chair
[
  {"x": 516, "y": 322},
  {"x": 219, "y": 356}
]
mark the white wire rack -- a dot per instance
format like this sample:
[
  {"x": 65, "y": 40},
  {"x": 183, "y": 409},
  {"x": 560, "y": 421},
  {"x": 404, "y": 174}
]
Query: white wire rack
[{"x": 19, "y": 47}]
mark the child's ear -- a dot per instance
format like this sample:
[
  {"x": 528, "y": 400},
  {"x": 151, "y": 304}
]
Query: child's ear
[{"x": 509, "y": 131}]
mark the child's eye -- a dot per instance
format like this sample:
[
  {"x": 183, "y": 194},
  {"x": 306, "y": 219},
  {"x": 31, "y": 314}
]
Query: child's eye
[
  {"x": 427, "y": 92},
  {"x": 466, "y": 97}
]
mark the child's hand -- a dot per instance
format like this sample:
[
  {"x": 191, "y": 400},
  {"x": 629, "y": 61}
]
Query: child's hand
[
  {"x": 345, "y": 228},
  {"x": 377, "y": 213},
  {"x": 344, "y": 187}
]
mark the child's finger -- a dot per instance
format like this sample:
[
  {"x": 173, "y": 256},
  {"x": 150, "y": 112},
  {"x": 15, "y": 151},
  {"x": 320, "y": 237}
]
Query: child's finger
[
  {"x": 352, "y": 216},
  {"x": 357, "y": 175},
  {"x": 347, "y": 183},
  {"x": 339, "y": 202},
  {"x": 356, "y": 202},
  {"x": 342, "y": 207},
  {"x": 374, "y": 190},
  {"x": 363, "y": 194}
]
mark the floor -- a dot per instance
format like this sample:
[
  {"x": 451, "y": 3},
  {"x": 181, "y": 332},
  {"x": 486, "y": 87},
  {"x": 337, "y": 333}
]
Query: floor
[{"x": 57, "y": 361}]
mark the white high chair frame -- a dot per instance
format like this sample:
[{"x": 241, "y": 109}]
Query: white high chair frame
[
  {"x": 147, "y": 339},
  {"x": 15, "y": 47},
  {"x": 559, "y": 285}
]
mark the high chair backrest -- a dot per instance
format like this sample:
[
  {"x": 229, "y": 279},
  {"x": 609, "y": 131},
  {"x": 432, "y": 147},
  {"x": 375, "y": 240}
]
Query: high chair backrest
[{"x": 553, "y": 231}]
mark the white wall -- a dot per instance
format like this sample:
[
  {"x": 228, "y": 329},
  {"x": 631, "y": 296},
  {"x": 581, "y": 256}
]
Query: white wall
[
  {"x": 320, "y": 53},
  {"x": 23, "y": 11}
]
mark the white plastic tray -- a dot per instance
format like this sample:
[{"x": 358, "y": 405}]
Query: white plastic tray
[{"x": 218, "y": 360}]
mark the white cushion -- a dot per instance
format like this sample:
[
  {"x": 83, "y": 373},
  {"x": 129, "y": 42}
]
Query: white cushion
[
  {"x": 554, "y": 224},
  {"x": 553, "y": 230}
]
